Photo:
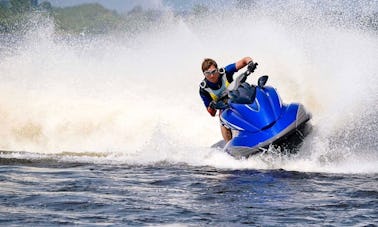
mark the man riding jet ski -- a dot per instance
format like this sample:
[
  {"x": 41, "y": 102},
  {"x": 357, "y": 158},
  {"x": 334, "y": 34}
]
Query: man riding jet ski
[
  {"x": 214, "y": 85},
  {"x": 256, "y": 115}
]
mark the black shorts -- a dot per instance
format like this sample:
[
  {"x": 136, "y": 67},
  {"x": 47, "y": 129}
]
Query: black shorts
[{"x": 221, "y": 122}]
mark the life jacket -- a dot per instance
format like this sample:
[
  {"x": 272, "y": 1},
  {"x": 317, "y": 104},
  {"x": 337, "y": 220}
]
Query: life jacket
[{"x": 218, "y": 93}]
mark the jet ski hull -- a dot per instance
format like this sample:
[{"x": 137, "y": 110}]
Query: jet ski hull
[
  {"x": 277, "y": 123},
  {"x": 284, "y": 133}
]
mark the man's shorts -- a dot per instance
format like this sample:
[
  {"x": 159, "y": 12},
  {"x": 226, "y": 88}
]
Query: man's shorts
[{"x": 222, "y": 123}]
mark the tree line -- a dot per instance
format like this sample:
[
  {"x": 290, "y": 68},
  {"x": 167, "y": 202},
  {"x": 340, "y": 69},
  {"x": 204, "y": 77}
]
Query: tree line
[
  {"x": 95, "y": 19},
  {"x": 91, "y": 18}
]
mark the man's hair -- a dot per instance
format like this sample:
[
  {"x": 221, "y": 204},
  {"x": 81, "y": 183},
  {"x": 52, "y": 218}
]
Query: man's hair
[{"x": 207, "y": 62}]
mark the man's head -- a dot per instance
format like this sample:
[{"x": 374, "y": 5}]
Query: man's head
[{"x": 210, "y": 70}]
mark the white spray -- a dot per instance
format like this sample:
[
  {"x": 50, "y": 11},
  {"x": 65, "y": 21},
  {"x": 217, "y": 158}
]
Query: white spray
[{"x": 135, "y": 99}]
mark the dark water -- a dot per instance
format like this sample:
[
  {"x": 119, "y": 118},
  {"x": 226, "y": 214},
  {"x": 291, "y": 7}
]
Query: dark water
[
  {"x": 51, "y": 192},
  {"x": 136, "y": 98}
]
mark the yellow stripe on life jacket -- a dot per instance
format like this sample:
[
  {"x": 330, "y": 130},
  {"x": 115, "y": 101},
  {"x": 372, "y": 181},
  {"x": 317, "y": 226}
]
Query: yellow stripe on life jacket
[{"x": 216, "y": 94}]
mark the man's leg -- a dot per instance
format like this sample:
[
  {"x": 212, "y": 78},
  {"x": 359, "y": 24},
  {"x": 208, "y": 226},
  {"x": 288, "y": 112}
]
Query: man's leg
[{"x": 226, "y": 133}]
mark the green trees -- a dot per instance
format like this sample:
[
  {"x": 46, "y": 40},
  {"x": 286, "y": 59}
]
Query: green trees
[
  {"x": 81, "y": 19},
  {"x": 95, "y": 19},
  {"x": 20, "y": 6},
  {"x": 12, "y": 13},
  {"x": 87, "y": 18}
]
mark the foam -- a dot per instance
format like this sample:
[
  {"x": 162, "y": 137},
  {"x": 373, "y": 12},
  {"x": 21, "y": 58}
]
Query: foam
[{"x": 136, "y": 98}]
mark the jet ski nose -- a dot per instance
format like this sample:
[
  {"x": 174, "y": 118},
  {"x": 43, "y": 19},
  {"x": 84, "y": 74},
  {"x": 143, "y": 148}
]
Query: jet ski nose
[{"x": 302, "y": 115}]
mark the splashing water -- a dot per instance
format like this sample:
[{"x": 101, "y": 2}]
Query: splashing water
[{"x": 116, "y": 98}]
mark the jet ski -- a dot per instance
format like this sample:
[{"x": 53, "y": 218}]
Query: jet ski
[{"x": 258, "y": 118}]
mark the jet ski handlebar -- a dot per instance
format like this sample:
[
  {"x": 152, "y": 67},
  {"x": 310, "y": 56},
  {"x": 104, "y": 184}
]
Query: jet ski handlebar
[
  {"x": 221, "y": 104},
  {"x": 251, "y": 66}
]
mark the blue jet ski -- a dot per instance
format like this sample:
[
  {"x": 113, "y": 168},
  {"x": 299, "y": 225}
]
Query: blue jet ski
[{"x": 258, "y": 118}]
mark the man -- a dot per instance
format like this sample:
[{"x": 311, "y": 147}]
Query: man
[{"x": 213, "y": 87}]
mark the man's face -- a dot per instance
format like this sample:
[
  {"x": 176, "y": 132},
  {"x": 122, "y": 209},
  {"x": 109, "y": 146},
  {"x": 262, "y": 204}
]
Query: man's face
[{"x": 212, "y": 74}]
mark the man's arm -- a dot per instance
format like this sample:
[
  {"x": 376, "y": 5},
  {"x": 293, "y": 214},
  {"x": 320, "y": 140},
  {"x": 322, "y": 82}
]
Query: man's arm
[
  {"x": 206, "y": 101},
  {"x": 242, "y": 62}
]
